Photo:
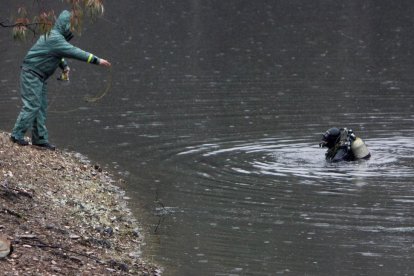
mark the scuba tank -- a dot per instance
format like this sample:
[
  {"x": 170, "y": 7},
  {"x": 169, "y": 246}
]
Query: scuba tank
[{"x": 359, "y": 149}]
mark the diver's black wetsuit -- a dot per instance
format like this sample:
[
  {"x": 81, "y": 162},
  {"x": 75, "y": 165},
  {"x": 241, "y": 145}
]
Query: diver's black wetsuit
[{"x": 338, "y": 141}]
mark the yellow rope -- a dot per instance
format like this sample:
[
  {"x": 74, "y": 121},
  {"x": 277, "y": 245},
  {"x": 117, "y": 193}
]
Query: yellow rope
[
  {"x": 90, "y": 99},
  {"x": 104, "y": 92}
]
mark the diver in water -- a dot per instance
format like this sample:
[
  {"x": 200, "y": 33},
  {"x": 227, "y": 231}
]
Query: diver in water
[{"x": 343, "y": 145}]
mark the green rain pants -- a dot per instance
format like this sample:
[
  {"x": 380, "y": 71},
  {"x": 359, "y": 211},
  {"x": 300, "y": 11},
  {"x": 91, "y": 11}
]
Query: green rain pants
[{"x": 33, "y": 113}]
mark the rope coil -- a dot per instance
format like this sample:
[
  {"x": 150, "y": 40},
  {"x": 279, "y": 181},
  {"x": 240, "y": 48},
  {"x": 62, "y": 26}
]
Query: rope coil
[{"x": 90, "y": 99}]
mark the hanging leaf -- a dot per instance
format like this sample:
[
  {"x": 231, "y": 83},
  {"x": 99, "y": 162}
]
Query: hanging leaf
[
  {"x": 76, "y": 20},
  {"x": 44, "y": 22},
  {"x": 94, "y": 8},
  {"x": 20, "y": 28}
]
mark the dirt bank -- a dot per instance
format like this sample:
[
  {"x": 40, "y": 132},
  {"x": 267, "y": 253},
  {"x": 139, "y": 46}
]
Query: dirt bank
[{"x": 64, "y": 216}]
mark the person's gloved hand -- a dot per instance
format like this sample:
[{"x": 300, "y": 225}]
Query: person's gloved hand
[
  {"x": 65, "y": 74},
  {"x": 104, "y": 62}
]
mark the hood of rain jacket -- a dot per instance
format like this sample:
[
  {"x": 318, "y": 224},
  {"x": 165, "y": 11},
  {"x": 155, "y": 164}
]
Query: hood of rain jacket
[{"x": 62, "y": 25}]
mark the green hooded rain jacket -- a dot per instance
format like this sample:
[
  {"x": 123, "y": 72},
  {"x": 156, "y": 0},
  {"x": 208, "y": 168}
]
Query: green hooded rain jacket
[{"x": 46, "y": 55}]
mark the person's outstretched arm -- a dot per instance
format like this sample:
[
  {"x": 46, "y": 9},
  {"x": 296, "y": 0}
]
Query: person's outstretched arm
[{"x": 64, "y": 49}]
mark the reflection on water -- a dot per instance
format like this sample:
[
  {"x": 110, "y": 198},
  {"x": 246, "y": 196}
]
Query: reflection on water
[{"x": 214, "y": 118}]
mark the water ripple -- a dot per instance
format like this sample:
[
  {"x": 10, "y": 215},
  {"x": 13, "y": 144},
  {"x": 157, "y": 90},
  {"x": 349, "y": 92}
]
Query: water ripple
[{"x": 279, "y": 157}]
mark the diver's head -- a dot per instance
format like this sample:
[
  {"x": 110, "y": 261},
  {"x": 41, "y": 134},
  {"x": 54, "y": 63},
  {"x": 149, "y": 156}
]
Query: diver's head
[{"x": 330, "y": 137}]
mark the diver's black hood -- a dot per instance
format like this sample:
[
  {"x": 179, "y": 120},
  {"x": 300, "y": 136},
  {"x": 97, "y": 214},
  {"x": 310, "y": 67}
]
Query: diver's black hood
[{"x": 330, "y": 137}]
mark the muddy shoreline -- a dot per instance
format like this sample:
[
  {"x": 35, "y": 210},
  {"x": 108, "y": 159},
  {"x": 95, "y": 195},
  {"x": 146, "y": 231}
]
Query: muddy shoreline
[{"x": 65, "y": 216}]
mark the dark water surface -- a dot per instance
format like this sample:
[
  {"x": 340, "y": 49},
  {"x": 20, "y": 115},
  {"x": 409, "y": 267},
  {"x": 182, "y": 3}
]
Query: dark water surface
[{"x": 214, "y": 116}]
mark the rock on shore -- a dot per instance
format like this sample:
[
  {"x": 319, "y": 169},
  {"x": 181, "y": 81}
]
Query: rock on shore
[{"x": 60, "y": 215}]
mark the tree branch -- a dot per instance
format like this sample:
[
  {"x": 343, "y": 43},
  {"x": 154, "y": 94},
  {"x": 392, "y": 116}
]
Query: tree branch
[{"x": 2, "y": 24}]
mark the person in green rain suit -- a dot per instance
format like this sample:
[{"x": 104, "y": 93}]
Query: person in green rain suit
[{"x": 46, "y": 55}]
